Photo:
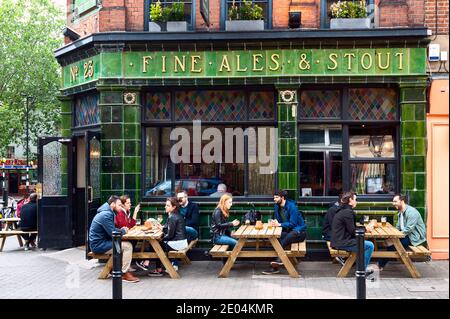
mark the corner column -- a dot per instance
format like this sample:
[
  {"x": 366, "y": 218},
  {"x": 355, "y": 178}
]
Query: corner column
[{"x": 287, "y": 141}]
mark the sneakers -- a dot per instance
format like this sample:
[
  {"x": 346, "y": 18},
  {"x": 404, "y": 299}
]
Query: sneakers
[
  {"x": 128, "y": 277},
  {"x": 276, "y": 263},
  {"x": 33, "y": 244},
  {"x": 26, "y": 246},
  {"x": 155, "y": 273},
  {"x": 369, "y": 272},
  {"x": 141, "y": 265},
  {"x": 271, "y": 271},
  {"x": 174, "y": 267}
]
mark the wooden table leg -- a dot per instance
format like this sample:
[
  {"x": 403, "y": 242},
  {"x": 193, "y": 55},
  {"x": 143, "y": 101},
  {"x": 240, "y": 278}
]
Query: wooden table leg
[
  {"x": 284, "y": 258},
  {"x": 107, "y": 269},
  {"x": 405, "y": 258},
  {"x": 19, "y": 238},
  {"x": 232, "y": 258},
  {"x": 347, "y": 266},
  {"x": 163, "y": 257},
  {"x": 3, "y": 242}
]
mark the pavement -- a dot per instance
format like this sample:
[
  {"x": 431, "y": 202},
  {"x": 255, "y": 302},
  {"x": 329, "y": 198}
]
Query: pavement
[{"x": 67, "y": 274}]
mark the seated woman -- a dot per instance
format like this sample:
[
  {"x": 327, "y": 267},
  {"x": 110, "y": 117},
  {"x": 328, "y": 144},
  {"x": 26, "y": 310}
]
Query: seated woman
[
  {"x": 175, "y": 234},
  {"x": 220, "y": 227}
]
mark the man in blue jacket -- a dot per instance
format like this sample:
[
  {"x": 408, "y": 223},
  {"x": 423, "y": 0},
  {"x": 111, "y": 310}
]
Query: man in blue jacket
[
  {"x": 189, "y": 210},
  {"x": 287, "y": 216},
  {"x": 100, "y": 235}
]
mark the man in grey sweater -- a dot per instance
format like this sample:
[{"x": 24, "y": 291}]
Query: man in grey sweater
[{"x": 410, "y": 223}]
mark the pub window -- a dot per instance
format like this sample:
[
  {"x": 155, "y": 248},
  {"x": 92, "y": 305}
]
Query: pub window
[
  {"x": 266, "y": 6},
  {"x": 320, "y": 153},
  {"x": 231, "y": 120},
  {"x": 372, "y": 159},
  {"x": 325, "y": 11},
  {"x": 189, "y": 10}
]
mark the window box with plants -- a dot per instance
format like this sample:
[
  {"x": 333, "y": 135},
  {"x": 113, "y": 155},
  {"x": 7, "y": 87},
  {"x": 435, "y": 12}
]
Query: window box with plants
[
  {"x": 246, "y": 17},
  {"x": 349, "y": 15},
  {"x": 170, "y": 18}
]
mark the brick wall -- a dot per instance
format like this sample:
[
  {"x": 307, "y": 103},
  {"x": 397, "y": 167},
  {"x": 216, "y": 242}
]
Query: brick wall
[
  {"x": 442, "y": 15},
  {"x": 135, "y": 15},
  {"x": 214, "y": 16},
  {"x": 310, "y": 10}
]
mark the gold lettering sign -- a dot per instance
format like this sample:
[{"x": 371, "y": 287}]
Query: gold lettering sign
[
  {"x": 388, "y": 61},
  {"x": 73, "y": 73},
  {"x": 274, "y": 58},
  {"x": 332, "y": 57},
  {"x": 179, "y": 63},
  {"x": 400, "y": 60},
  {"x": 88, "y": 69},
  {"x": 194, "y": 61},
  {"x": 163, "y": 66},
  {"x": 238, "y": 64},
  {"x": 363, "y": 58},
  {"x": 145, "y": 63},
  {"x": 349, "y": 63},
  {"x": 225, "y": 64},
  {"x": 256, "y": 58}
]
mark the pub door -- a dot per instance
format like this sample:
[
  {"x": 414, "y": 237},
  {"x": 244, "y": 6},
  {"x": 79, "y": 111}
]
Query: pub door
[
  {"x": 55, "y": 156},
  {"x": 92, "y": 175}
]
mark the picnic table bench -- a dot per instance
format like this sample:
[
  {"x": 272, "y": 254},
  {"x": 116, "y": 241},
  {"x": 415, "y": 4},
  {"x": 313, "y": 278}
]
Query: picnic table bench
[
  {"x": 152, "y": 237},
  {"x": 387, "y": 232},
  {"x": 248, "y": 235},
  {"x": 11, "y": 229}
]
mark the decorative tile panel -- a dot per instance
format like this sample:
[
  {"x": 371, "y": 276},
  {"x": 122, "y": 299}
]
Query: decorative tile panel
[
  {"x": 157, "y": 106},
  {"x": 372, "y": 104},
  {"x": 320, "y": 104},
  {"x": 210, "y": 105},
  {"x": 261, "y": 105},
  {"x": 87, "y": 111}
]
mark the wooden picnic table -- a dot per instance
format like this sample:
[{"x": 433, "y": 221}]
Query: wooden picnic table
[
  {"x": 10, "y": 228},
  {"x": 387, "y": 232},
  {"x": 246, "y": 232},
  {"x": 152, "y": 237}
]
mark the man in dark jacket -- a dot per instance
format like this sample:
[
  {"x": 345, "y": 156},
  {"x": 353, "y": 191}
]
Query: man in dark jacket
[
  {"x": 189, "y": 210},
  {"x": 100, "y": 235},
  {"x": 344, "y": 226},
  {"x": 28, "y": 221},
  {"x": 328, "y": 219},
  {"x": 287, "y": 216}
]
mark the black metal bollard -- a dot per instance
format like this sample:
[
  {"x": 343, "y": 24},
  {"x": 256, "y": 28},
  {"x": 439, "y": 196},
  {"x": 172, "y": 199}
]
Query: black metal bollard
[
  {"x": 360, "y": 267},
  {"x": 117, "y": 265}
]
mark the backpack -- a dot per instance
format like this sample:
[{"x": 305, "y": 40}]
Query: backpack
[{"x": 252, "y": 215}]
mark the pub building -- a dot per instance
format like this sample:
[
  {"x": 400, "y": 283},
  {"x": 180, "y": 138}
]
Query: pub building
[{"x": 348, "y": 107}]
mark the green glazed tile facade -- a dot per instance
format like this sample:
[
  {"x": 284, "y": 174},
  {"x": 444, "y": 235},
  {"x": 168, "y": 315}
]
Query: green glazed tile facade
[
  {"x": 413, "y": 144},
  {"x": 287, "y": 140},
  {"x": 120, "y": 145}
]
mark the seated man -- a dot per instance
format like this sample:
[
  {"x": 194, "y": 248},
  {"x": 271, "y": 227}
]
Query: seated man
[
  {"x": 410, "y": 223},
  {"x": 344, "y": 226},
  {"x": 328, "y": 219},
  {"x": 28, "y": 221},
  {"x": 100, "y": 235},
  {"x": 287, "y": 216},
  {"x": 221, "y": 190},
  {"x": 189, "y": 210}
]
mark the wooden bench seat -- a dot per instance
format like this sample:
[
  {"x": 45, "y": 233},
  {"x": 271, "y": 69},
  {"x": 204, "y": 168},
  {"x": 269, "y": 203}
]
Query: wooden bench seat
[
  {"x": 181, "y": 254},
  {"x": 419, "y": 252},
  {"x": 297, "y": 250},
  {"x": 16, "y": 232},
  {"x": 337, "y": 253}
]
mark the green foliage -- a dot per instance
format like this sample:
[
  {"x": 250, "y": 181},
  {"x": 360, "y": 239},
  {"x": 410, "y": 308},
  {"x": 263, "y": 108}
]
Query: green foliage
[
  {"x": 174, "y": 12},
  {"x": 348, "y": 9},
  {"x": 246, "y": 11},
  {"x": 29, "y": 33},
  {"x": 156, "y": 12}
]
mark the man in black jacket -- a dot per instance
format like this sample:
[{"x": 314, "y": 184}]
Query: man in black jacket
[
  {"x": 344, "y": 226},
  {"x": 328, "y": 219},
  {"x": 28, "y": 221},
  {"x": 189, "y": 210}
]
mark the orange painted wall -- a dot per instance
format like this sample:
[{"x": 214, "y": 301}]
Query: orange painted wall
[{"x": 438, "y": 170}]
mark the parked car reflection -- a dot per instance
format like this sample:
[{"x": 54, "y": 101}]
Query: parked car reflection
[{"x": 194, "y": 187}]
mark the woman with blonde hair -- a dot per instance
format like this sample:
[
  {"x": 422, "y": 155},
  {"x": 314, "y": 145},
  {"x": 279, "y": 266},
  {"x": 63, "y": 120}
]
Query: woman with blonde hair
[{"x": 220, "y": 226}]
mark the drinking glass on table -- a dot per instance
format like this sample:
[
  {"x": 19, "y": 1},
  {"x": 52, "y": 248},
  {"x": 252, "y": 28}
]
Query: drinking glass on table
[
  {"x": 138, "y": 222},
  {"x": 383, "y": 221},
  {"x": 270, "y": 224},
  {"x": 159, "y": 219},
  {"x": 366, "y": 219}
]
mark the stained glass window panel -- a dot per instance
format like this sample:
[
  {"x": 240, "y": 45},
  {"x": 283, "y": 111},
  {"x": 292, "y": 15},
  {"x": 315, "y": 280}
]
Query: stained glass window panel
[
  {"x": 157, "y": 106},
  {"x": 210, "y": 105},
  {"x": 261, "y": 105},
  {"x": 87, "y": 111},
  {"x": 372, "y": 104},
  {"x": 320, "y": 104}
]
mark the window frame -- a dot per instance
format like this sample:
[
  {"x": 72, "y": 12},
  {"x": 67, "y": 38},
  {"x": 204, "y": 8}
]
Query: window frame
[
  {"x": 346, "y": 124},
  {"x": 147, "y": 3},
  {"x": 172, "y": 123},
  {"x": 324, "y": 24},
  {"x": 224, "y": 13}
]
